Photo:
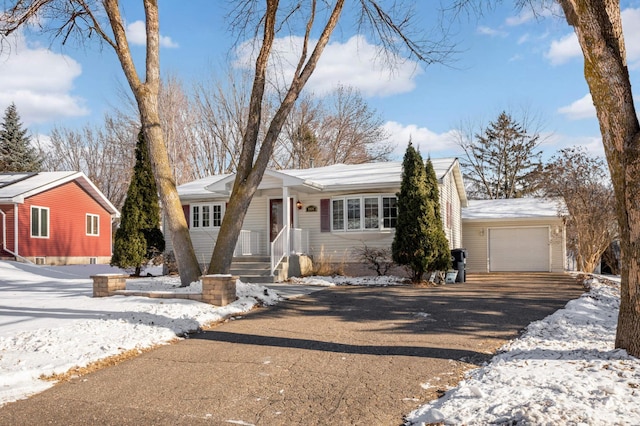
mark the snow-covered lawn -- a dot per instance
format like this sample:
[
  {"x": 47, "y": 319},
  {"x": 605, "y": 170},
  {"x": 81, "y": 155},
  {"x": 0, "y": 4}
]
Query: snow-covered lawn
[
  {"x": 564, "y": 370},
  {"x": 50, "y": 323}
]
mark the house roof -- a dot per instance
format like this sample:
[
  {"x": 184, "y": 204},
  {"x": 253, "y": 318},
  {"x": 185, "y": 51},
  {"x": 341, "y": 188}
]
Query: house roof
[
  {"x": 336, "y": 177},
  {"x": 514, "y": 208},
  {"x": 16, "y": 187}
]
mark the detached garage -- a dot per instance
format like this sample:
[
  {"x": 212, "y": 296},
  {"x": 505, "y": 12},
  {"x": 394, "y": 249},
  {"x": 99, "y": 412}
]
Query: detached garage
[{"x": 515, "y": 235}]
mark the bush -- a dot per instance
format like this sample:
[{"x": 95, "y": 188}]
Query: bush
[{"x": 377, "y": 259}]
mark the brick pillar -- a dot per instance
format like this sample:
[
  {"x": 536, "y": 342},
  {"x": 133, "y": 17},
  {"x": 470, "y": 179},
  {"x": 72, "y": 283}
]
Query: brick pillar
[
  {"x": 106, "y": 284},
  {"x": 218, "y": 290}
]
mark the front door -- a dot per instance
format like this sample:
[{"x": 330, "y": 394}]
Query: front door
[{"x": 276, "y": 216}]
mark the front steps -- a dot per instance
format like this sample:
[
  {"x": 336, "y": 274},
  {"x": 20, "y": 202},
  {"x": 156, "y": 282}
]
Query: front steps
[{"x": 257, "y": 269}]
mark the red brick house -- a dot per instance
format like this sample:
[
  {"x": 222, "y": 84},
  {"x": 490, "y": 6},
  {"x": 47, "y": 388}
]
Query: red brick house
[{"x": 54, "y": 218}]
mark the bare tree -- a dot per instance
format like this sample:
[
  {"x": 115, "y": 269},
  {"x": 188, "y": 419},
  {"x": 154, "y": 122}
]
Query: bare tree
[
  {"x": 389, "y": 25},
  {"x": 598, "y": 25},
  {"x": 584, "y": 183},
  {"x": 501, "y": 160},
  {"x": 338, "y": 128},
  {"x": 104, "y": 153},
  {"x": 69, "y": 19}
]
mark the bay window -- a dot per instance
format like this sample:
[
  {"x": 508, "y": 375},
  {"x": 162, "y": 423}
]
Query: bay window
[{"x": 363, "y": 213}]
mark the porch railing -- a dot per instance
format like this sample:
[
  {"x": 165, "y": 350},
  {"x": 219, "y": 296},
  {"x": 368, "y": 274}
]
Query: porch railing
[
  {"x": 279, "y": 248},
  {"x": 248, "y": 243},
  {"x": 298, "y": 243}
]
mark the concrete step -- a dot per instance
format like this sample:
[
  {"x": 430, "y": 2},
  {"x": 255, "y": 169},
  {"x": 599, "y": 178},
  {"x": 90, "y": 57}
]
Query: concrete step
[
  {"x": 258, "y": 279},
  {"x": 249, "y": 259}
]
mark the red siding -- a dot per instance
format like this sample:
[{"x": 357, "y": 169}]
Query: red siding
[
  {"x": 68, "y": 206},
  {"x": 9, "y": 212}
]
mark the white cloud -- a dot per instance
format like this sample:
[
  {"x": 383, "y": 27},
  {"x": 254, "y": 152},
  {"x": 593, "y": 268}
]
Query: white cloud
[
  {"x": 491, "y": 32},
  {"x": 137, "y": 34},
  {"x": 426, "y": 140},
  {"x": 580, "y": 109},
  {"x": 39, "y": 82},
  {"x": 563, "y": 50},
  {"x": 355, "y": 63},
  {"x": 555, "y": 142},
  {"x": 567, "y": 47},
  {"x": 525, "y": 16}
]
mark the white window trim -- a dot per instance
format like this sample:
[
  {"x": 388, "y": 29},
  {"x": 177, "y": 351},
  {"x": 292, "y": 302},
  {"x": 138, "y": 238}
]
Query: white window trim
[
  {"x": 211, "y": 208},
  {"x": 360, "y": 197},
  {"x": 40, "y": 208},
  {"x": 97, "y": 231}
]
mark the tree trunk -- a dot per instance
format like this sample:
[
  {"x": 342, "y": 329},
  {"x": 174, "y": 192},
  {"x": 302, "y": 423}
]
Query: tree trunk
[
  {"x": 249, "y": 173},
  {"x": 146, "y": 95},
  {"x": 598, "y": 26}
]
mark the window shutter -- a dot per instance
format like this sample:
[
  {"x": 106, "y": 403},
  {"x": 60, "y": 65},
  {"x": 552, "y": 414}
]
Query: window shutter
[
  {"x": 186, "y": 209},
  {"x": 325, "y": 215}
]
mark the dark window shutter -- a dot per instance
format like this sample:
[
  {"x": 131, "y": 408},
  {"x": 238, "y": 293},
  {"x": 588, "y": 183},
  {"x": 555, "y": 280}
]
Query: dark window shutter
[
  {"x": 186, "y": 211},
  {"x": 325, "y": 215}
]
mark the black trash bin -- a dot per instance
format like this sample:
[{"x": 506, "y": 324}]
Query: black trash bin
[{"x": 459, "y": 257}]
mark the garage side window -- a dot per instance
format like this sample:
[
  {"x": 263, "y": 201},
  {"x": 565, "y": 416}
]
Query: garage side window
[{"x": 39, "y": 222}]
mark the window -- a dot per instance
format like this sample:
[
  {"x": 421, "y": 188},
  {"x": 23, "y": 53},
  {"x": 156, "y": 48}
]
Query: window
[
  {"x": 338, "y": 214},
  {"x": 364, "y": 213},
  {"x": 195, "y": 216},
  {"x": 389, "y": 212},
  {"x": 353, "y": 213},
  {"x": 93, "y": 224},
  {"x": 371, "y": 213},
  {"x": 206, "y": 215},
  {"x": 40, "y": 222}
]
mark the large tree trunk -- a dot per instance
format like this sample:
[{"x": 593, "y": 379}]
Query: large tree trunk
[
  {"x": 146, "y": 95},
  {"x": 250, "y": 172},
  {"x": 598, "y": 26}
]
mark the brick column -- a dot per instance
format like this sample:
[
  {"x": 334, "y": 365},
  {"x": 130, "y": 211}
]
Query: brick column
[
  {"x": 106, "y": 284},
  {"x": 218, "y": 290}
]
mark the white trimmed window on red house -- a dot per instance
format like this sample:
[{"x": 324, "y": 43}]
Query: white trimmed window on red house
[
  {"x": 39, "y": 222},
  {"x": 93, "y": 224}
]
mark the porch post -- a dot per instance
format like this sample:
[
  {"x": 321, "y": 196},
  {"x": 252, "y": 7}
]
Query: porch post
[{"x": 286, "y": 218}]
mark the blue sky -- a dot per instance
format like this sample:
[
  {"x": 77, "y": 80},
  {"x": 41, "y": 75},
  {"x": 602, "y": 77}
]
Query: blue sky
[{"x": 506, "y": 60}]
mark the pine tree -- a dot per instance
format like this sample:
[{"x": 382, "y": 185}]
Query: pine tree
[
  {"x": 139, "y": 239},
  {"x": 16, "y": 152},
  {"x": 419, "y": 242}
]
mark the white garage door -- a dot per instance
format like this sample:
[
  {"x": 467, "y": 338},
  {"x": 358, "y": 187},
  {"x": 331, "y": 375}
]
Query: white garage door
[{"x": 519, "y": 249}]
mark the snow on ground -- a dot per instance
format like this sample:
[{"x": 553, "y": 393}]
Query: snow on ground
[
  {"x": 50, "y": 323},
  {"x": 563, "y": 370}
]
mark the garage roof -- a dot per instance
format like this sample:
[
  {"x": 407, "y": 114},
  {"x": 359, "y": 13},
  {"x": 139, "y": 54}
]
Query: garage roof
[{"x": 514, "y": 208}]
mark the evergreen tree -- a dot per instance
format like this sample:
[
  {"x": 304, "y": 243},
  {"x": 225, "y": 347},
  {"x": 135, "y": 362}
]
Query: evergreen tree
[
  {"x": 419, "y": 242},
  {"x": 16, "y": 152},
  {"x": 139, "y": 239},
  {"x": 503, "y": 161},
  {"x": 439, "y": 255}
]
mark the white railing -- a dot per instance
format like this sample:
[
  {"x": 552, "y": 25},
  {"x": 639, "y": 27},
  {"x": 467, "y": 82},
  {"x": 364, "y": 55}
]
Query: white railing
[
  {"x": 279, "y": 248},
  {"x": 299, "y": 241},
  {"x": 248, "y": 243}
]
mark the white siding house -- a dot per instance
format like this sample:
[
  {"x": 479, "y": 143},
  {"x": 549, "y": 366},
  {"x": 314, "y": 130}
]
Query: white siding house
[{"x": 331, "y": 210}]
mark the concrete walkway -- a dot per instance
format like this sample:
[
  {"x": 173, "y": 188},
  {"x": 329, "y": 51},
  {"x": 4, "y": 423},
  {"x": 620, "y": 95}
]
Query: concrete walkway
[{"x": 340, "y": 356}]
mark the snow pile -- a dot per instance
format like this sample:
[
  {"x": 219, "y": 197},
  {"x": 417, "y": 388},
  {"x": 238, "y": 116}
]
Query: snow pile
[
  {"x": 563, "y": 370},
  {"x": 49, "y": 326},
  {"x": 373, "y": 281}
]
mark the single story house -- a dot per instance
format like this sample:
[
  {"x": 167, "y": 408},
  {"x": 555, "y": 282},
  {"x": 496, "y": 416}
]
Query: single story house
[
  {"x": 54, "y": 218},
  {"x": 521, "y": 234},
  {"x": 321, "y": 212}
]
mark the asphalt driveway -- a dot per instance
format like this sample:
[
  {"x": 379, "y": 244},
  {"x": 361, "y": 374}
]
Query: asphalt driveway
[{"x": 340, "y": 356}]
